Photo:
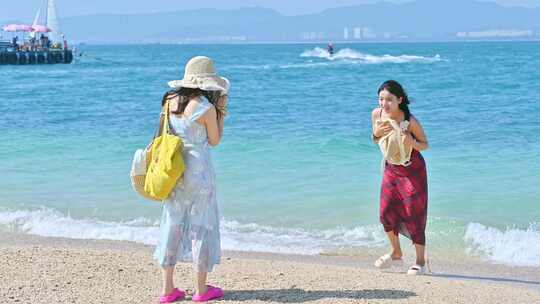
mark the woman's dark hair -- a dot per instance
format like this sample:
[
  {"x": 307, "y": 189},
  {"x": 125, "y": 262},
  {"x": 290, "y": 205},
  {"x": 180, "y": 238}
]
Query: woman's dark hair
[
  {"x": 396, "y": 89},
  {"x": 186, "y": 94}
]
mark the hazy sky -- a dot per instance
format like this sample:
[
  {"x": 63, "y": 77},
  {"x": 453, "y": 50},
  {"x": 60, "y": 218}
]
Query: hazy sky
[{"x": 24, "y": 10}]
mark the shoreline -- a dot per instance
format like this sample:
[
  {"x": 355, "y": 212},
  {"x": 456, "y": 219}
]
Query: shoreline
[{"x": 60, "y": 270}]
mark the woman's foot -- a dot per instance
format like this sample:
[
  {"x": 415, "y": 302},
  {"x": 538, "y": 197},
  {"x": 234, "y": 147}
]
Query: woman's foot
[
  {"x": 175, "y": 295},
  {"x": 211, "y": 293},
  {"x": 387, "y": 261},
  {"x": 417, "y": 270}
]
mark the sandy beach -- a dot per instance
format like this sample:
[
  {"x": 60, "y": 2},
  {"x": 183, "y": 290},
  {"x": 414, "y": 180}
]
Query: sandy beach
[{"x": 56, "y": 270}]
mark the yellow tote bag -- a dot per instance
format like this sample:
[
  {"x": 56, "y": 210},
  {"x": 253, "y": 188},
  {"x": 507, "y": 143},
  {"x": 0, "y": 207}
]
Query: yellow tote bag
[{"x": 165, "y": 164}]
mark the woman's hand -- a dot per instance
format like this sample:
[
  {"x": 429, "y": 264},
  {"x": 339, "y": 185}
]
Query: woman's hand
[
  {"x": 408, "y": 139},
  {"x": 382, "y": 129}
]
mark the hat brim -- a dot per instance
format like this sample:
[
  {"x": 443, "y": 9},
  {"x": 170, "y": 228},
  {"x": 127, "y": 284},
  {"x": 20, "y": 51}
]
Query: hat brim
[{"x": 207, "y": 83}]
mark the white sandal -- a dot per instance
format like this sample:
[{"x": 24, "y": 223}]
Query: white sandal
[
  {"x": 386, "y": 261},
  {"x": 417, "y": 270}
]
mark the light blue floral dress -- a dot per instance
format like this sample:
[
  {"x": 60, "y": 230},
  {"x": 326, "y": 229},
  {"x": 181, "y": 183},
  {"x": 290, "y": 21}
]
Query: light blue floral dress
[{"x": 189, "y": 228}]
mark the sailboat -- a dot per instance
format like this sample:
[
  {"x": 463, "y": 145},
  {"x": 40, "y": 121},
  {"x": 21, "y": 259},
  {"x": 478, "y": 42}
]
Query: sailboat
[
  {"x": 46, "y": 15},
  {"x": 49, "y": 48}
]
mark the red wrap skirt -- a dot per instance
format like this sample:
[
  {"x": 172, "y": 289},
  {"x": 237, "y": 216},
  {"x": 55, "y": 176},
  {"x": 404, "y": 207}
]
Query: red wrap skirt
[{"x": 404, "y": 197}]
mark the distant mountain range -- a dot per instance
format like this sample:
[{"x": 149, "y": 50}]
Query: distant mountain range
[{"x": 420, "y": 20}]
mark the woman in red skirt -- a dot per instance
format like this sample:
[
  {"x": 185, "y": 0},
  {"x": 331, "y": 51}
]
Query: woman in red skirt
[{"x": 404, "y": 194}]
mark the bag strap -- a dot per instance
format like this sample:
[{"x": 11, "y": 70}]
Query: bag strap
[{"x": 163, "y": 125}]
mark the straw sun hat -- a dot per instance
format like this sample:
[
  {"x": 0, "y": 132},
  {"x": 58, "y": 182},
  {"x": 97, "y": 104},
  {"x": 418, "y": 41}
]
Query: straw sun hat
[{"x": 200, "y": 73}]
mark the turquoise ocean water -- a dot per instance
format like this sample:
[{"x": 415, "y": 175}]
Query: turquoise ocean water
[{"x": 296, "y": 170}]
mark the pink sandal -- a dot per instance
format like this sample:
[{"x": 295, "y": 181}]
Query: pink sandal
[
  {"x": 211, "y": 294},
  {"x": 175, "y": 295}
]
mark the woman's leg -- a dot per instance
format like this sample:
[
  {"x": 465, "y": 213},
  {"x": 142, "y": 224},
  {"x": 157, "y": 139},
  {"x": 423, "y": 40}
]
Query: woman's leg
[
  {"x": 168, "y": 283},
  {"x": 201, "y": 258},
  {"x": 396, "y": 247},
  {"x": 420, "y": 254},
  {"x": 201, "y": 287},
  {"x": 171, "y": 250}
]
